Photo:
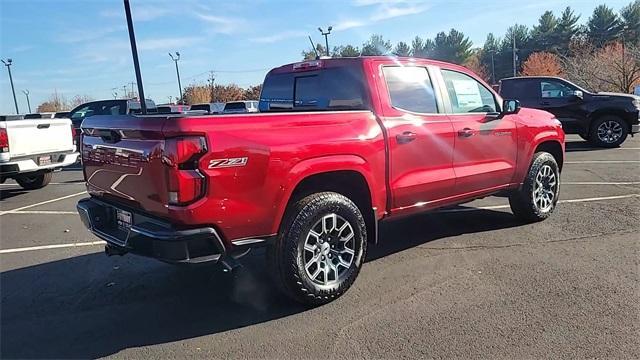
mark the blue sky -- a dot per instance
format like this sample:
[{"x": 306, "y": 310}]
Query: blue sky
[{"x": 81, "y": 47}]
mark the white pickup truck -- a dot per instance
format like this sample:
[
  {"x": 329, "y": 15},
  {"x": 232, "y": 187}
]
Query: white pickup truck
[{"x": 31, "y": 149}]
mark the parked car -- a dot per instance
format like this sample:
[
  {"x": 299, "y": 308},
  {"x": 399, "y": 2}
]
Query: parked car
[
  {"x": 313, "y": 173},
  {"x": 235, "y": 107},
  {"x": 604, "y": 119},
  {"x": 107, "y": 107},
  {"x": 172, "y": 109},
  {"x": 32, "y": 148},
  {"x": 210, "y": 108}
]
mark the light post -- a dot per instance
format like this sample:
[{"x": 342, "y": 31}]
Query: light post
[
  {"x": 515, "y": 57},
  {"x": 26, "y": 93},
  {"x": 326, "y": 38},
  {"x": 624, "y": 65},
  {"x": 493, "y": 68},
  {"x": 8, "y": 65},
  {"x": 134, "y": 54},
  {"x": 175, "y": 59}
]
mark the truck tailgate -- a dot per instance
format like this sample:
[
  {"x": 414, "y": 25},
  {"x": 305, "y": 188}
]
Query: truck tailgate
[
  {"x": 39, "y": 136},
  {"x": 122, "y": 158}
]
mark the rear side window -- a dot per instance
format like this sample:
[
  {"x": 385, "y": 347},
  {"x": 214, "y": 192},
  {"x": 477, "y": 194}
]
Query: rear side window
[
  {"x": 553, "y": 89},
  {"x": 519, "y": 89},
  {"x": 333, "y": 88},
  {"x": 235, "y": 106},
  {"x": 205, "y": 107},
  {"x": 410, "y": 89},
  {"x": 466, "y": 94}
]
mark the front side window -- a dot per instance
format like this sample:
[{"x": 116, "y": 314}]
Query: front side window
[
  {"x": 550, "y": 89},
  {"x": 466, "y": 94},
  {"x": 410, "y": 89}
]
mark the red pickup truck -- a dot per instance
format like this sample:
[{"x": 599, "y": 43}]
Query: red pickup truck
[{"x": 338, "y": 145}]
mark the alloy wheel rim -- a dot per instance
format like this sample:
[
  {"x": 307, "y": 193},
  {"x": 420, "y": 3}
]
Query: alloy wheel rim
[
  {"x": 609, "y": 131},
  {"x": 329, "y": 250},
  {"x": 545, "y": 188}
]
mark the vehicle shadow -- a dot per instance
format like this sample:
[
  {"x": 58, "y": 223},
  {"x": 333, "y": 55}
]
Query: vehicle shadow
[
  {"x": 9, "y": 193},
  {"x": 581, "y": 146},
  {"x": 93, "y": 306}
]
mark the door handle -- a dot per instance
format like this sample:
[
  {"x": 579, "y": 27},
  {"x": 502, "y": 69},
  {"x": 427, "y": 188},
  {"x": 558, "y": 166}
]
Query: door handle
[
  {"x": 466, "y": 132},
  {"x": 406, "y": 137},
  {"x": 544, "y": 103}
]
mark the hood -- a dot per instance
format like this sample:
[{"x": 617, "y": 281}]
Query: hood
[{"x": 618, "y": 95}]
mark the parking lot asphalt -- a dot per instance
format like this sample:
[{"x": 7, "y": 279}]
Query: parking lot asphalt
[{"x": 469, "y": 281}]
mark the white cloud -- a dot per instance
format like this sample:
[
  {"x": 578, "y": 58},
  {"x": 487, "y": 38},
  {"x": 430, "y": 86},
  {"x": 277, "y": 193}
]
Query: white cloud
[
  {"x": 168, "y": 43},
  {"x": 77, "y": 36},
  {"x": 388, "y": 12},
  {"x": 349, "y": 24},
  {"x": 377, "y": 2},
  {"x": 279, "y": 37},
  {"x": 222, "y": 24},
  {"x": 139, "y": 12}
]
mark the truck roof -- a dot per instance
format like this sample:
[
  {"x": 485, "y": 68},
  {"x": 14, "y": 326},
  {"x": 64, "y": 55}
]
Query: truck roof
[{"x": 333, "y": 62}]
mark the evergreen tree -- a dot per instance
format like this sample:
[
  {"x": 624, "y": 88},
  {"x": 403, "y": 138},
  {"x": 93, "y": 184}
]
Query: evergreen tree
[
  {"x": 566, "y": 29},
  {"x": 543, "y": 34},
  {"x": 630, "y": 15},
  {"x": 603, "y": 26},
  {"x": 402, "y": 49},
  {"x": 453, "y": 47},
  {"x": 376, "y": 45}
]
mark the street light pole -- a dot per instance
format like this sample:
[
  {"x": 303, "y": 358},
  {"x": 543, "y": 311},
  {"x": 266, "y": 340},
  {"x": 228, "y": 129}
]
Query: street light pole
[
  {"x": 514, "y": 53},
  {"x": 8, "y": 65},
  {"x": 134, "y": 53},
  {"x": 26, "y": 93},
  {"x": 326, "y": 38},
  {"x": 624, "y": 65},
  {"x": 175, "y": 60},
  {"x": 493, "y": 68}
]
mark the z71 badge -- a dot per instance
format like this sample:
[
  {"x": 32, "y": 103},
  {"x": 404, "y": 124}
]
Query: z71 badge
[{"x": 226, "y": 163}]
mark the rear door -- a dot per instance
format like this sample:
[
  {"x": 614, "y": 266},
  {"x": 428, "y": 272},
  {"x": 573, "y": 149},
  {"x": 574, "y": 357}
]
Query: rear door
[
  {"x": 485, "y": 145},
  {"x": 421, "y": 139}
]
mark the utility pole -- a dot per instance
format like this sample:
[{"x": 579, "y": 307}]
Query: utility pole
[
  {"x": 124, "y": 92},
  {"x": 26, "y": 93},
  {"x": 8, "y": 65},
  {"x": 175, "y": 59},
  {"x": 170, "y": 99},
  {"x": 133, "y": 93},
  {"x": 134, "y": 53},
  {"x": 624, "y": 65},
  {"x": 326, "y": 38},
  {"x": 211, "y": 81},
  {"x": 493, "y": 68},
  {"x": 513, "y": 36},
  {"x": 114, "y": 93}
]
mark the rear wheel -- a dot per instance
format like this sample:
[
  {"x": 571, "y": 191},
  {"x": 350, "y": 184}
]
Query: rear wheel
[
  {"x": 320, "y": 249},
  {"x": 32, "y": 182},
  {"x": 608, "y": 131},
  {"x": 538, "y": 196}
]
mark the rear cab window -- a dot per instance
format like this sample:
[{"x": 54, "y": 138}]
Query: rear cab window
[
  {"x": 410, "y": 89},
  {"x": 338, "y": 86}
]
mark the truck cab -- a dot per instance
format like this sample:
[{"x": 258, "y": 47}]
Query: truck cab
[{"x": 604, "y": 119}]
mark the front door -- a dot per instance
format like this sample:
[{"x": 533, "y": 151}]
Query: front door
[
  {"x": 557, "y": 97},
  {"x": 421, "y": 140},
  {"x": 485, "y": 144}
]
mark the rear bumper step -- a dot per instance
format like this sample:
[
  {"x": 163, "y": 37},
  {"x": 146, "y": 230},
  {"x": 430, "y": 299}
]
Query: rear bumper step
[{"x": 150, "y": 237}]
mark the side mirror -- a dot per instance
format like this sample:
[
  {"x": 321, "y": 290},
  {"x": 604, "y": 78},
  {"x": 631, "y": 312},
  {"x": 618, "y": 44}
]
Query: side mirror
[
  {"x": 510, "y": 107},
  {"x": 577, "y": 95}
]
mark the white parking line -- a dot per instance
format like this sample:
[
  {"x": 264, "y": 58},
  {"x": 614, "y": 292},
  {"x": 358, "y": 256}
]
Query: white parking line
[
  {"x": 603, "y": 162},
  {"x": 40, "y": 203},
  {"x": 599, "y": 183},
  {"x": 56, "y": 246},
  {"x": 70, "y": 183},
  {"x": 44, "y": 212},
  {"x": 588, "y": 148}
]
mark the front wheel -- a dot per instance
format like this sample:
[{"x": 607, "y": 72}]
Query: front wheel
[
  {"x": 320, "y": 249},
  {"x": 538, "y": 196},
  {"x": 608, "y": 131},
  {"x": 32, "y": 182}
]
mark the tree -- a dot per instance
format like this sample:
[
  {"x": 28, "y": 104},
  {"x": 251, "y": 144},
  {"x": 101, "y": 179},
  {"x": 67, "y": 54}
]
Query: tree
[
  {"x": 197, "y": 94},
  {"x": 542, "y": 64},
  {"x": 489, "y": 56},
  {"x": 603, "y": 26},
  {"x": 376, "y": 45},
  {"x": 345, "y": 51},
  {"x": 402, "y": 49},
  {"x": 565, "y": 31},
  {"x": 253, "y": 92},
  {"x": 474, "y": 64},
  {"x": 452, "y": 47},
  {"x": 309, "y": 54},
  {"x": 543, "y": 34},
  {"x": 421, "y": 48},
  {"x": 604, "y": 69},
  {"x": 630, "y": 15},
  {"x": 55, "y": 103},
  {"x": 522, "y": 42},
  {"x": 78, "y": 100}
]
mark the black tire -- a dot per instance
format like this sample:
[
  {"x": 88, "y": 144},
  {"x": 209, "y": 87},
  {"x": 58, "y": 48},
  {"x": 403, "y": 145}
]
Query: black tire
[
  {"x": 600, "y": 139},
  {"x": 522, "y": 200},
  {"x": 286, "y": 257},
  {"x": 584, "y": 137},
  {"x": 32, "y": 182}
]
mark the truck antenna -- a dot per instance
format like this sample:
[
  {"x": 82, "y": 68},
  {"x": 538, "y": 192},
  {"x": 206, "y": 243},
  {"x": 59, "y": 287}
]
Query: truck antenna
[{"x": 314, "y": 48}]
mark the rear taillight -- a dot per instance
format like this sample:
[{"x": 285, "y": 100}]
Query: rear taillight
[
  {"x": 4, "y": 140},
  {"x": 73, "y": 135},
  {"x": 185, "y": 182}
]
